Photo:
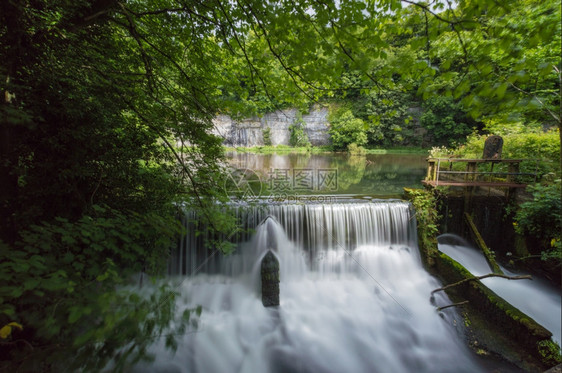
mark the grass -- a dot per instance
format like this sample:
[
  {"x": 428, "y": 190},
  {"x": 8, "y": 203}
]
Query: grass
[
  {"x": 285, "y": 149},
  {"x": 271, "y": 149},
  {"x": 401, "y": 150}
]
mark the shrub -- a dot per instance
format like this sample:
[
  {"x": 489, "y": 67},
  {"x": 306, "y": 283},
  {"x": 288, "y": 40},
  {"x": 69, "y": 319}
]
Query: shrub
[
  {"x": 353, "y": 148},
  {"x": 345, "y": 129},
  {"x": 540, "y": 219},
  {"x": 267, "y": 136},
  {"x": 298, "y": 136},
  {"x": 539, "y": 150}
]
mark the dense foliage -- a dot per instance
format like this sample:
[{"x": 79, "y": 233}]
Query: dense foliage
[
  {"x": 445, "y": 120},
  {"x": 432, "y": 74},
  {"x": 540, "y": 219},
  {"x": 297, "y": 134},
  {"x": 345, "y": 130}
]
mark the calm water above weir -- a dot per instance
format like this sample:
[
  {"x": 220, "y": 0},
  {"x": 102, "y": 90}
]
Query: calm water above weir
[{"x": 380, "y": 175}]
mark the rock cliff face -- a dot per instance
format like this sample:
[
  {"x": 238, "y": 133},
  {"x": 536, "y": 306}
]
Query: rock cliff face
[{"x": 249, "y": 132}]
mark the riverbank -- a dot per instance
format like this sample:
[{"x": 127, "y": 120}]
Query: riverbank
[{"x": 285, "y": 149}]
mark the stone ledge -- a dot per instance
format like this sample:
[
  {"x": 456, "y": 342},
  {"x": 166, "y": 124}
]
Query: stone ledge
[{"x": 499, "y": 314}]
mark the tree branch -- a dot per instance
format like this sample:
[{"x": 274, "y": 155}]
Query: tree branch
[
  {"x": 524, "y": 277},
  {"x": 452, "y": 305},
  {"x": 188, "y": 172}
]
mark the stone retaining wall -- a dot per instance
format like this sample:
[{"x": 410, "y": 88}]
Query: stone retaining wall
[{"x": 248, "y": 132}]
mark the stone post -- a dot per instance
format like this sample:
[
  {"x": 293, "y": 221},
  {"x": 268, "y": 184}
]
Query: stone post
[
  {"x": 493, "y": 147},
  {"x": 270, "y": 280}
]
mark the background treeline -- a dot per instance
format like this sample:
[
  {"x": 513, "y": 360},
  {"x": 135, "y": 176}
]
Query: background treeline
[{"x": 428, "y": 83}]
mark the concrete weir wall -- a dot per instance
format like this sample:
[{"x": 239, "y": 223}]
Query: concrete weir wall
[{"x": 249, "y": 131}]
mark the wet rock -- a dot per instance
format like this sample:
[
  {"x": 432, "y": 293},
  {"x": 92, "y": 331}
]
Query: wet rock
[
  {"x": 556, "y": 369},
  {"x": 270, "y": 280}
]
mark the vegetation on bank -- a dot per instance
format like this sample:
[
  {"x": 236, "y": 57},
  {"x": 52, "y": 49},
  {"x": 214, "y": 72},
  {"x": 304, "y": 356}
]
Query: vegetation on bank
[
  {"x": 539, "y": 149},
  {"x": 427, "y": 218},
  {"x": 282, "y": 149},
  {"x": 540, "y": 220}
]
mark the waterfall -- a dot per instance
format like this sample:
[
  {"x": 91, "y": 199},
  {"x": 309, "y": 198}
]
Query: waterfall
[
  {"x": 354, "y": 297},
  {"x": 315, "y": 228}
]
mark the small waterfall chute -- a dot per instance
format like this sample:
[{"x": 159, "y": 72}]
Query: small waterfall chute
[{"x": 536, "y": 298}]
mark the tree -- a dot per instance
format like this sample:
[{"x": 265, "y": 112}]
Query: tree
[
  {"x": 345, "y": 129},
  {"x": 501, "y": 60},
  {"x": 446, "y": 121}
]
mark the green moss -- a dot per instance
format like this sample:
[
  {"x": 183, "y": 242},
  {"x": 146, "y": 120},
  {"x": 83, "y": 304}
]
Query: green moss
[
  {"x": 549, "y": 352},
  {"x": 424, "y": 203},
  {"x": 506, "y": 319}
]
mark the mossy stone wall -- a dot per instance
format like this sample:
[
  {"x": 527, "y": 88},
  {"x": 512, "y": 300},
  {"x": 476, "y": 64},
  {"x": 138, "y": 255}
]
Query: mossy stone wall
[
  {"x": 505, "y": 318},
  {"x": 489, "y": 216}
]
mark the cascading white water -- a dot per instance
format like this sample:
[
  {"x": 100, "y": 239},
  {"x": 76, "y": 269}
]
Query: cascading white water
[
  {"x": 354, "y": 298},
  {"x": 535, "y": 298}
]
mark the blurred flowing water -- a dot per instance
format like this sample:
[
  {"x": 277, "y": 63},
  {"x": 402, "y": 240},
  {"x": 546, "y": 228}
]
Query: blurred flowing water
[
  {"x": 354, "y": 297},
  {"x": 536, "y": 298}
]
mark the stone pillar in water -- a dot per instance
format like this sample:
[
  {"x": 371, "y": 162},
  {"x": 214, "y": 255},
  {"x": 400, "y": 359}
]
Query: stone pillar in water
[{"x": 270, "y": 280}]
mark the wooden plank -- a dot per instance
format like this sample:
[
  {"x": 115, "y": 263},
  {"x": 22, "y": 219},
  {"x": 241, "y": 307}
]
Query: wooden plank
[
  {"x": 487, "y": 173},
  {"x": 473, "y": 183},
  {"x": 475, "y": 160},
  {"x": 481, "y": 244}
]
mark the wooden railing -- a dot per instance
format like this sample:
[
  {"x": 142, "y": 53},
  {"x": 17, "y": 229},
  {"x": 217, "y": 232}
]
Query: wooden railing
[{"x": 440, "y": 172}]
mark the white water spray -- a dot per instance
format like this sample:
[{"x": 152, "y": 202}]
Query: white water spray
[{"x": 354, "y": 298}]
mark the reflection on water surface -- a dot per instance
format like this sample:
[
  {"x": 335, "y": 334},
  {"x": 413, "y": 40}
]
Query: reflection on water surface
[{"x": 381, "y": 175}]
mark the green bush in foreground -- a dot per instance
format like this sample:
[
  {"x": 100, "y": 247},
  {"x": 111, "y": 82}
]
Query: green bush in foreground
[{"x": 67, "y": 284}]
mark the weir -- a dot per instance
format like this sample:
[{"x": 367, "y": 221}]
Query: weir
[
  {"x": 314, "y": 228},
  {"x": 354, "y": 297}
]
